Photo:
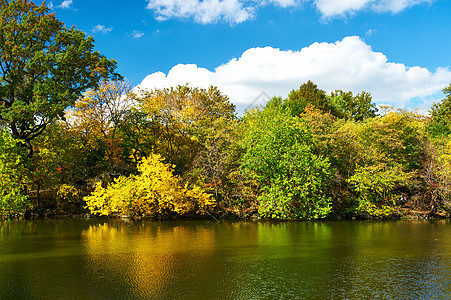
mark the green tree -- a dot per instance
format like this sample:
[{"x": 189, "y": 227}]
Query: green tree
[
  {"x": 339, "y": 104},
  {"x": 307, "y": 94},
  {"x": 375, "y": 186},
  {"x": 214, "y": 159},
  {"x": 356, "y": 108},
  {"x": 437, "y": 175},
  {"x": 139, "y": 134},
  {"x": 279, "y": 154},
  {"x": 440, "y": 125},
  {"x": 396, "y": 138},
  {"x": 44, "y": 68},
  {"x": 440, "y": 187},
  {"x": 59, "y": 163},
  {"x": 389, "y": 152}
]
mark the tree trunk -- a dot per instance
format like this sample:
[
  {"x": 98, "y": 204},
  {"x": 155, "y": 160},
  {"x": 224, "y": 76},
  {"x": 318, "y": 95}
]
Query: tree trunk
[{"x": 29, "y": 148}]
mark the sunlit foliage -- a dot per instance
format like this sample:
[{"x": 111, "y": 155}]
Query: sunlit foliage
[
  {"x": 440, "y": 125},
  {"x": 45, "y": 67},
  {"x": 279, "y": 155},
  {"x": 181, "y": 119},
  {"x": 183, "y": 152},
  {"x": 13, "y": 199},
  {"x": 154, "y": 192}
]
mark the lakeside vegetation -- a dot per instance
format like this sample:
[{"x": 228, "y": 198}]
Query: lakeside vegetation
[
  {"x": 184, "y": 152},
  {"x": 75, "y": 137}
]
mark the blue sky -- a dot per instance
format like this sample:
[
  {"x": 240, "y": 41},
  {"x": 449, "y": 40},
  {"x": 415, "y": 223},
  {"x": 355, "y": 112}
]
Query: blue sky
[{"x": 398, "y": 50}]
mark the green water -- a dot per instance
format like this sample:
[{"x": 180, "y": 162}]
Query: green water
[{"x": 92, "y": 259}]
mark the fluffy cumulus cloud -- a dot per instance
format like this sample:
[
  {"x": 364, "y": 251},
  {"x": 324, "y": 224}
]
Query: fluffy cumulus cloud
[
  {"x": 349, "y": 64},
  {"x": 237, "y": 11}
]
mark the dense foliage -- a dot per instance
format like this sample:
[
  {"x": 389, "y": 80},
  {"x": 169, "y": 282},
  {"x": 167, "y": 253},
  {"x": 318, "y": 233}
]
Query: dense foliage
[
  {"x": 154, "y": 192},
  {"x": 13, "y": 199},
  {"x": 44, "y": 67},
  {"x": 184, "y": 152},
  {"x": 279, "y": 154},
  {"x": 101, "y": 146}
]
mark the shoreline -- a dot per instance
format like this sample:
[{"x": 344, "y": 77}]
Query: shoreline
[{"x": 402, "y": 214}]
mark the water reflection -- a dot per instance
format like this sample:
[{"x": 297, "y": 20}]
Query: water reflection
[
  {"x": 226, "y": 260},
  {"x": 147, "y": 257},
  {"x": 256, "y": 260}
]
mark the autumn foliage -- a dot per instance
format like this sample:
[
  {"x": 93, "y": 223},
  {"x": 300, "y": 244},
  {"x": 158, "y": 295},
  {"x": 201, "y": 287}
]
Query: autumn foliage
[
  {"x": 154, "y": 192},
  {"x": 74, "y": 137}
]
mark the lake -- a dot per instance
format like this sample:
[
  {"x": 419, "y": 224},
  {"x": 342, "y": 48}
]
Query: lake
[{"x": 108, "y": 259}]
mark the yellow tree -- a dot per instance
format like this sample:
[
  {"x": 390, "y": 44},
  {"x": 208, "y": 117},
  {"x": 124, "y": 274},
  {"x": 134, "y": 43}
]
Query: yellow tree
[
  {"x": 183, "y": 117},
  {"x": 437, "y": 176},
  {"x": 154, "y": 192},
  {"x": 96, "y": 119}
]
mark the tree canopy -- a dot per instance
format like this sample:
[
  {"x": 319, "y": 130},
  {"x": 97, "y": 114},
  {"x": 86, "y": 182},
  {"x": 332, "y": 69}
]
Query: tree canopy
[
  {"x": 279, "y": 153},
  {"x": 441, "y": 115},
  {"x": 44, "y": 68},
  {"x": 339, "y": 103},
  {"x": 103, "y": 147}
]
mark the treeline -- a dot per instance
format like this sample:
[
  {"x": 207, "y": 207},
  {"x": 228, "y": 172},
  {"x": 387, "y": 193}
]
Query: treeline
[{"x": 184, "y": 152}]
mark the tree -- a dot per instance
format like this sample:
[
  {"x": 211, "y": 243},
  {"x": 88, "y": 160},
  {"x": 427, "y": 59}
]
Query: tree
[
  {"x": 339, "y": 104},
  {"x": 396, "y": 138},
  {"x": 154, "y": 192},
  {"x": 97, "y": 118},
  {"x": 279, "y": 154},
  {"x": 438, "y": 178},
  {"x": 181, "y": 117},
  {"x": 307, "y": 94},
  {"x": 441, "y": 115},
  {"x": 387, "y": 153},
  {"x": 44, "y": 68},
  {"x": 137, "y": 134},
  {"x": 58, "y": 162},
  {"x": 375, "y": 186},
  {"x": 356, "y": 108}
]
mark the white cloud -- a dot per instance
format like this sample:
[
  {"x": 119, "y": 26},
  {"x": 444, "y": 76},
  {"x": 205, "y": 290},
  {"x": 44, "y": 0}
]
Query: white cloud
[
  {"x": 349, "y": 65},
  {"x": 331, "y": 8},
  {"x": 66, "y": 4},
  {"x": 101, "y": 29},
  {"x": 238, "y": 11},
  {"x": 207, "y": 11},
  {"x": 396, "y": 6},
  {"x": 211, "y": 11},
  {"x": 136, "y": 34}
]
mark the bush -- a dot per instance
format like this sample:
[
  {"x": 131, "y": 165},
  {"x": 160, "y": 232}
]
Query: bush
[{"x": 154, "y": 192}]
